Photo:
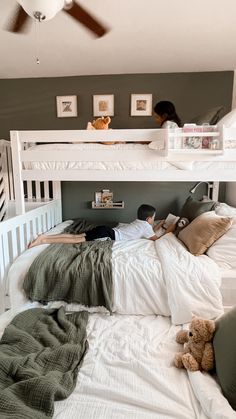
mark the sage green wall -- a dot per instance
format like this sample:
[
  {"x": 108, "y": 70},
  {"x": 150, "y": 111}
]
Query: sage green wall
[
  {"x": 30, "y": 104},
  {"x": 164, "y": 196}
]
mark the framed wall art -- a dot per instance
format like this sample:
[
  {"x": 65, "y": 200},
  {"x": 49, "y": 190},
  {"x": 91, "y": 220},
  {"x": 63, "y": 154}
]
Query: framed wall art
[
  {"x": 103, "y": 105},
  {"x": 66, "y": 106},
  {"x": 141, "y": 104}
]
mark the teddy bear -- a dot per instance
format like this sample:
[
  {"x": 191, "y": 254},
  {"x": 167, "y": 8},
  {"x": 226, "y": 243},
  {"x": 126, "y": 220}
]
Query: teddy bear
[
  {"x": 101, "y": 123},
  {"x": 198, "y": 351}
]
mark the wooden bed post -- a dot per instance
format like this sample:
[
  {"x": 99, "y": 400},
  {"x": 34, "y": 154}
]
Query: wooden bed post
[
  {"x": 215, "y": 191},
  {"x": 56, "y": 192},
  {"x": 18, "y": 182},
  {"x": 2, "y": 278}
]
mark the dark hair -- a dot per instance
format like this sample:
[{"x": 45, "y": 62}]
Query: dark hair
[
  {"x": 145, "y": 211},
  {"x": 167, "y": 109}
]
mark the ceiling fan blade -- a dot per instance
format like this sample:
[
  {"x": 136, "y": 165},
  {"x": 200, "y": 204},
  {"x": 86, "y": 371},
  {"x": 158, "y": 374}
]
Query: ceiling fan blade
[
  {"x": 84, "y": 17},
  {"x": 18, "y": 22}
]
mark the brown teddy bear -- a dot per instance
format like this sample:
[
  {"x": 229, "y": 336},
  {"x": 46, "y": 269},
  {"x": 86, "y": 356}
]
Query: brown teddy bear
[
  {"x": 101, "y": 123},
  {"x": 198, "y": 351}
]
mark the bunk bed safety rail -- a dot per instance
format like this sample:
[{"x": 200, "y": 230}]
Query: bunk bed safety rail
[
  {"x": 6, "y": 177},
  {"x": 17, "y": 232}
]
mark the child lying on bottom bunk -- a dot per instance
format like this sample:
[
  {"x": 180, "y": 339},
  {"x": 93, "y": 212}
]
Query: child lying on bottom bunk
[{"x": 141, "y": 228}]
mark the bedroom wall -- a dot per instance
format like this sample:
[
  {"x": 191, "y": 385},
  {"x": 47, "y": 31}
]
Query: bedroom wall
[
  {"x": 164, "y": 196},
  {"x": 230, "y": 193},
  {"x": 28, "y": 104}
]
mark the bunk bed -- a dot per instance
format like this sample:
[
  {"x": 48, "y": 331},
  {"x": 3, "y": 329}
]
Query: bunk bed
[
  {"x": 79, "y": 156},
  {"x": 128, "y": 370}
]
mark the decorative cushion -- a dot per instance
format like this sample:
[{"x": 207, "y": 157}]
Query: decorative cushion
[
  {"x": 203, "y": 231},
  {"x": 211, "y": 116},
  {"x": 224, "y": 343},
  {"x": 223, "y": 251},
  {"x": 193, "y": 208},
  {"x": 229, "y": 120},
  {"x": 224, "y": 209}
]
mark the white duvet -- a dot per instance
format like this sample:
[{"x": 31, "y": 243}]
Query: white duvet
[{"x": 159, "y": 277}]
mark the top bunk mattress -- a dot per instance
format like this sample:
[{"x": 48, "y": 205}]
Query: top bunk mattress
[{"x": 155, "y": 163}]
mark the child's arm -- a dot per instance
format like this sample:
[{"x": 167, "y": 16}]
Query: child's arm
[
  {"x": 158, "y": 225},
  {"x": 169, "y": 229}
]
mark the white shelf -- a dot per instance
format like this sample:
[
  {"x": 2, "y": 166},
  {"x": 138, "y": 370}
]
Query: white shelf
[
  {"x": 108, "y": 205},
  {"x": 194, "y": 134},
  {"x": 195, "y": 150}
]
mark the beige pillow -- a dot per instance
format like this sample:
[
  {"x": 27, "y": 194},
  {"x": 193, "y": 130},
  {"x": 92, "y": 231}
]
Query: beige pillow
[{"x": 203, "y": 231}]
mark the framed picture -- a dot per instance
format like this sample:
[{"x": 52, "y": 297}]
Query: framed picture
[
  {"x": 66, "y": 106},
  {"x": 103, "y": 105},
  {"x": 141, "y": 104}
]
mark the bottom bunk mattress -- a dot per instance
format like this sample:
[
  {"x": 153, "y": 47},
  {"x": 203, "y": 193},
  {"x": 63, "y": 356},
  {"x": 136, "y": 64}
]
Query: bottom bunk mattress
[
  {"x": 147, "y": 277},
  {"x": 128, "y": 372}
]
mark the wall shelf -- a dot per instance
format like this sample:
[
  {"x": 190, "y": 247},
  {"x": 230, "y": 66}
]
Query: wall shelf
[{"x": 108, "y": 205}]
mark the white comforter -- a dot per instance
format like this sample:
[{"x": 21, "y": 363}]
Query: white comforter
[
  {"x": 162, "y": 277},
  {"x": 159, "y": 277}
]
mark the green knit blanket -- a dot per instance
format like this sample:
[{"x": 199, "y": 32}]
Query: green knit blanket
[
  {"x": 75, "y": 273},
  {"x": 40, "y": 354}
]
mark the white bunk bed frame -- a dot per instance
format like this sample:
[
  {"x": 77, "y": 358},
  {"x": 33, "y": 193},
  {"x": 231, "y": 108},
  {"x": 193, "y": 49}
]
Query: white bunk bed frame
[
  {"x": 16, "y": 233},
  {"x": 20, "y": 140},
  {"x": 7, "y": 193}
]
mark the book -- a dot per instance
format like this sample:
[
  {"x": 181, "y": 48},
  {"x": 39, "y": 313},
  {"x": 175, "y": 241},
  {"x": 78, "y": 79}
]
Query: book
[{"x": 170, "y": 219}]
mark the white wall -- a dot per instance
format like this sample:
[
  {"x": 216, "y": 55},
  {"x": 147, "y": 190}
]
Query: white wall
[{"x": 230, "y": 193}]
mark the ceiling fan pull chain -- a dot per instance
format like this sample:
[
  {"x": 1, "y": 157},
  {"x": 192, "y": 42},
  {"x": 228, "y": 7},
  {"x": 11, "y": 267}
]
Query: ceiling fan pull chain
[{"x": 37, "y": 41}]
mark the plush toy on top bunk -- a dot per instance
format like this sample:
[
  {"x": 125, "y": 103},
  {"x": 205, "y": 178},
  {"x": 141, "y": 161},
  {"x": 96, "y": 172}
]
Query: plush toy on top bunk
[
  {"x": 198, "y": 351},
  {"x": 182, "y": 223},
  {"x": 101, "y": 123}
]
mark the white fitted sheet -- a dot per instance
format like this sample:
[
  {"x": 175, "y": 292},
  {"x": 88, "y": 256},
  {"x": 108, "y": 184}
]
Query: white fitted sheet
[{"x": 128, "y": 372}]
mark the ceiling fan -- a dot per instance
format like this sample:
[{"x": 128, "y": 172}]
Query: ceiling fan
[{"x": 41, "y": 10}]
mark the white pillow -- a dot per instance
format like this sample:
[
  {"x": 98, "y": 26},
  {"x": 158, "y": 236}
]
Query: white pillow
[
  {"x": 224, "y": 209},
  {"x": 229, "y": 120},
  {"x": 223, "y": 251}
]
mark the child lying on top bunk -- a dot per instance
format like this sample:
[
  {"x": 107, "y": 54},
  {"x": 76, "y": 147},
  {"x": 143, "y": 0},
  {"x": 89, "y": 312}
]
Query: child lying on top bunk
[
  {"x": 164, "y": 113},
  {"x": 141, "y": 228}
]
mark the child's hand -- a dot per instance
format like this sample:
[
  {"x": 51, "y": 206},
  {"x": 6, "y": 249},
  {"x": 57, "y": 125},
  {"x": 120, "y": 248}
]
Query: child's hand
[
  {"x": 171, "y": 228},
  {"x": 158, "y": 225}
]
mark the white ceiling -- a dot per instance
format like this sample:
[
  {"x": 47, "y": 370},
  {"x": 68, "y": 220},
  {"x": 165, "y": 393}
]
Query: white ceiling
[{"x": 151, "y": 36}]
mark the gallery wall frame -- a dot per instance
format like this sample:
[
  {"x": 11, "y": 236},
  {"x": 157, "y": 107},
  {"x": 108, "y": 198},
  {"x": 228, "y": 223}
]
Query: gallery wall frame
[
  {"x": 66, "y": 106},
  {"x": 103, "y": 105},
  {"x": 141, "y": 104}
]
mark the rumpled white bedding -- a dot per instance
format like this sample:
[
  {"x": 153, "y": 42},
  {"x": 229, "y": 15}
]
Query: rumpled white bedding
[
  {"x": 159, "y": 277},
  {"x": 118, "y": 165},
  {"x": 128, "y": 372}
]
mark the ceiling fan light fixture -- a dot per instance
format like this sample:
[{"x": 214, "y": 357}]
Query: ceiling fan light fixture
[{"x": 46, "y": 9}]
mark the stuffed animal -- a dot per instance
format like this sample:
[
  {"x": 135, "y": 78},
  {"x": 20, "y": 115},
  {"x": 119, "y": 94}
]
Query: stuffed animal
[
  {"x": 198, "y": 351},
  {"x": 182, "y": 223},
  {"x": 101, "y": 123}
]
